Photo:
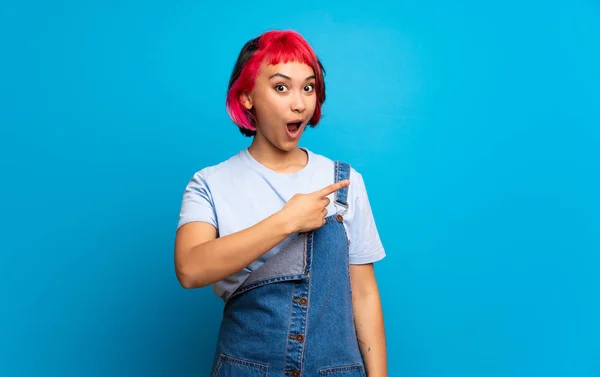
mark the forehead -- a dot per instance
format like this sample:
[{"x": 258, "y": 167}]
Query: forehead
[{"x": 295, "y": 70}]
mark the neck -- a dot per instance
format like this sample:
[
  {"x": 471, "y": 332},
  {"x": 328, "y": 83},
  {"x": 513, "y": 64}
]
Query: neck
[{"x": 279, "y": 160}]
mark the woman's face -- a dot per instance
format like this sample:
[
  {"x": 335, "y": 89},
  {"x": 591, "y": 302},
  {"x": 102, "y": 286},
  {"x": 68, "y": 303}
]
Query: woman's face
[{"x": 284, "y": 100}]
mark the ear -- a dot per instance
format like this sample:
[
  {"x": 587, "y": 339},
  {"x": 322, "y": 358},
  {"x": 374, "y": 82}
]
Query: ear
[{"x": 246, "y": 100}]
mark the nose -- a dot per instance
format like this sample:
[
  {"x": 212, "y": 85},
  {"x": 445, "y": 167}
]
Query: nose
[{"x": 297, "y": 103}]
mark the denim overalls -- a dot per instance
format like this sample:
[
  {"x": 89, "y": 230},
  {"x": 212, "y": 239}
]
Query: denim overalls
[{"x": 293, "y": 316}]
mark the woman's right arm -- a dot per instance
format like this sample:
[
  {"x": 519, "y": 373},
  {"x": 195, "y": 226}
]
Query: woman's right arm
[{"x": 202, "y": 259}]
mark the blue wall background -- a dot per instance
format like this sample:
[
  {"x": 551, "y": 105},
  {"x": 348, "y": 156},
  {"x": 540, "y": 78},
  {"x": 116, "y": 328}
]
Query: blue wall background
[{"x": 474, "y": 124}]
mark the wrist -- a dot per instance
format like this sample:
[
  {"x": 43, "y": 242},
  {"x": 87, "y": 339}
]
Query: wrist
[{"x": 285, "y": 222}]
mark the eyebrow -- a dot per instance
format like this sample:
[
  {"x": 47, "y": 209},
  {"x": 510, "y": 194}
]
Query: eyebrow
[{"x": 289, "y": 78}]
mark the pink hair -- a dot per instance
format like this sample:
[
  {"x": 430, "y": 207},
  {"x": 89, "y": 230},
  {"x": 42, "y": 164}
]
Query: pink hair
[{"x": 272, "y": 47}]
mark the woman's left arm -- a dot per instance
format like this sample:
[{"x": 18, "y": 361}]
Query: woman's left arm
[{"x": 368, "y": 319}]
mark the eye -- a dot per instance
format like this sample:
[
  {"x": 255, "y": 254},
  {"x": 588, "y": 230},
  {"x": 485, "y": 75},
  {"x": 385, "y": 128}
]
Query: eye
[
  {"x": 309, "y": 88},
  {"x": 280, "y": 88}
]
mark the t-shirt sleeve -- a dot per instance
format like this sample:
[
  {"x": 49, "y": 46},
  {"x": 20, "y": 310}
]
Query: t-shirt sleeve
[
  {"x": 365, "y": 244},
  {"x": 197, "y": 203}
]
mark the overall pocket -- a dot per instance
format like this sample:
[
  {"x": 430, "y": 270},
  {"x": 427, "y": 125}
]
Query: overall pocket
[
  {"x": 343, "y": 371},
  {"x": 228, "y": 366}
]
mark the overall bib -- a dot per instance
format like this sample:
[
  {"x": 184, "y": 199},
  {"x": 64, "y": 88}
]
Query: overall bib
[{"x": 293, "y": 316}]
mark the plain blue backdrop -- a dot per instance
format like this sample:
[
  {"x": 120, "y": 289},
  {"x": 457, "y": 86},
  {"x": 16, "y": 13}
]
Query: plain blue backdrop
[{"x": 475, "y": 125}]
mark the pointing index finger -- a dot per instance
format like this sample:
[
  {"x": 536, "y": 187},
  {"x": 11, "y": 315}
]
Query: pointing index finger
[{"x": 333, "y": 188}]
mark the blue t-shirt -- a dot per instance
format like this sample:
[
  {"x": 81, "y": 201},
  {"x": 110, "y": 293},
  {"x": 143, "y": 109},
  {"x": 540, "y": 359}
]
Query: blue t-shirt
[{"x": 240, "y": 192}]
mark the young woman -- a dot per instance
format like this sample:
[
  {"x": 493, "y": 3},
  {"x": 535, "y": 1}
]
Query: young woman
[{"x": 285, "y": 236}]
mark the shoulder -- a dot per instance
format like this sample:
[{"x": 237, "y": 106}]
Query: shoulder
[
  {"x": 220, "y": 172},
  {"x": 327, "y": 164}
]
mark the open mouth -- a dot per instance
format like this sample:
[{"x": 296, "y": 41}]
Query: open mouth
[{"x": 293, "y": 129}]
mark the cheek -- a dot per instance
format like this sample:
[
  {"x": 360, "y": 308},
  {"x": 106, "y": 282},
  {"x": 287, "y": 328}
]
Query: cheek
[
  {"x": 274, "y": 105},
  {"x": 263, "y": 108},
  {"x": 268, "y": 114},
  {"x": 312, "y": 102}
]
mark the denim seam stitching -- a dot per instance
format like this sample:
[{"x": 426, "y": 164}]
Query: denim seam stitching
[
  {"x": 289, "y": 324},
  {"x": 306, "y": 324},
  {"x": 329, "y": 370},
  {"x": 337, "y": 171}
]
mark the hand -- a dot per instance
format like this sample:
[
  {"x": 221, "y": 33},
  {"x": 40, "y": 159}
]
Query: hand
[{"x": 306, "y": 212}]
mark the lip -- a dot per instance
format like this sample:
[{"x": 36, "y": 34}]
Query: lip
[{"x": 295, "y": 135}]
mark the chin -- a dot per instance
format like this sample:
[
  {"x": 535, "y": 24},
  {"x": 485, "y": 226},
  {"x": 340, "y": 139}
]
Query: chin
[
  {"x": 289, "y": 146},
  {"x": 285, "y": 144}
]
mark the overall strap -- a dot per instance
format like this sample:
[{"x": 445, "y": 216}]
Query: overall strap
[{"x": 341, "y": 172}]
